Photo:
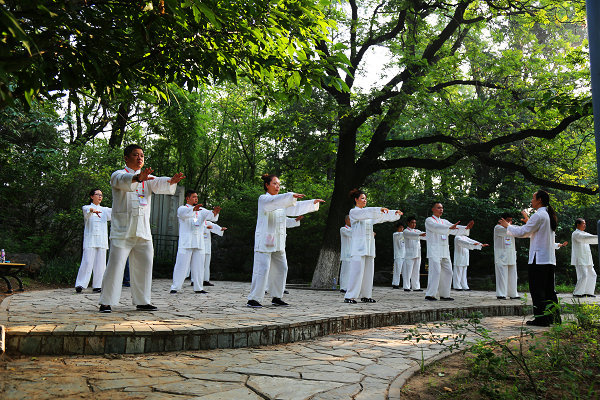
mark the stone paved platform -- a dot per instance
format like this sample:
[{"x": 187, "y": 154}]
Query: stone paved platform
[{"x": 63, "y": 322}]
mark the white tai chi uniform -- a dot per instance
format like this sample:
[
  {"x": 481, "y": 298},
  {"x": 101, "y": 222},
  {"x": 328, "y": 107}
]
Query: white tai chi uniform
[
  {"x": 581, "y": 258},
  {"x": 462, "y": 245},
  {"x": 216, "y": 229},
  {"x": 398, "y": 239},
  {"x": 130, "y": 236},
  {"x": 270, "y": 263},
  {"x": 412, "y": 258},
  {"x": 505, "y": 262},
  {"x": 439, "y": 277},
  {"x": 345, "y": 255},
  {"x": 95, "y": 244},
  {"x": 362, "y": 266},
  {"x": 191, "y": 248}
]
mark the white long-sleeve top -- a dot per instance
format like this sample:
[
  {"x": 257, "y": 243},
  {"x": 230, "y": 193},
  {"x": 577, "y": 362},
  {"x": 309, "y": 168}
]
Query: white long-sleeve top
[
  {"x": 398, "y": 239},
  {"x": 438, "y": 230},
  {"x": 214, "y": 228},
  {"x": 272, "y": 221},
  {"x": 130, "y": 218},
  {"x": 505, "y": 252},
  {"x": 412, "y": 243},
  {"x": 191, "y": 226},
  {"x": 362, "y": 221},
  {"x": 345, "y": 239},
  {"x": 462, "y": 245},
  {"x": 541, "y": 237},
  {"x": 95, "y": 231},
  {"x": 580, "y": 247}
]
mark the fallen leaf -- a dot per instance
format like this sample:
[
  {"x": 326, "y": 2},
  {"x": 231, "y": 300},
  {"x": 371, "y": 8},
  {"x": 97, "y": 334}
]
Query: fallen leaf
[
  {"x": 447, "y": 389},
  {"x": 441, "y": 374}
]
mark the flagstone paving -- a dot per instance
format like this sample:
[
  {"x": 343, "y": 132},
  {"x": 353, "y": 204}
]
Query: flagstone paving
[{"x": 365, "y": 364}]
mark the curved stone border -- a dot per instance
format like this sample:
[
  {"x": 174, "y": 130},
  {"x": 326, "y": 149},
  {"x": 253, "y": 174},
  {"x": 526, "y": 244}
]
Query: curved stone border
[{"x": 68, "y": 340}]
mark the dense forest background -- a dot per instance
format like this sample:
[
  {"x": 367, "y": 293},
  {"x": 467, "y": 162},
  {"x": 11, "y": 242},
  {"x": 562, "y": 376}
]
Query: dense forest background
[{"x": 473, "y": 103}]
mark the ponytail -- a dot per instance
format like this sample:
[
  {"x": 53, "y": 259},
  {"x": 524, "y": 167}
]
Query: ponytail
[{"x": 544, "y": 197}]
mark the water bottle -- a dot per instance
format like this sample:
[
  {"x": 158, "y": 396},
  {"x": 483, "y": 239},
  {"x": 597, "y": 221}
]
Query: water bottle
[
  {"x": 2, "y": 256},
  {"x": 334, "y": 284}
]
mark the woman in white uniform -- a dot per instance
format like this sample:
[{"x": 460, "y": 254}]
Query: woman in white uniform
[
  {"x": 95, "y": 243},
  {"x": 581, "y": 258},
  {"x": 345, "y": 255},
  {"x": 362, "y": 266},
  {"x": 270, "y": 262},
  {"x": 462, "y": 245}
]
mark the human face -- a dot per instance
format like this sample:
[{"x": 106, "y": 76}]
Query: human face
[
  {"x": 96, "y": 197},
  {"x": 135, "y": 159},
  {"x": 437, "y": 209},
  {"x": 400, "y": 229},
  {"x": 535, "y": 202},
  {"x": 581, "y": 226},
  {"x": 412, "y": 224},
  {"x": 361, "y": 201},
  {"x": 192, "y": 199},
  {"x": 273, "y": 186},
  {"x": 509, "y": 220}
]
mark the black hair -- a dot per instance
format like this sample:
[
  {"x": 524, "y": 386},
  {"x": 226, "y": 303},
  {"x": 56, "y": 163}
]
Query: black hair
[
  {"x": 355, "y": 194},
  {"x": 505, "y": 215},
  {"x": 412, "y": 217},
  {"x": 267, "y": 178},
  {"x": 435, "y": 202},
  {"x": 399, "y": 224},
  {"x": 544, "y": 197},
  {"x": 578, "y": 222},
  {"x": 91, "y": 193},
  {"x": 189, "y": 192},
  {"x": 129, "y": 149}
]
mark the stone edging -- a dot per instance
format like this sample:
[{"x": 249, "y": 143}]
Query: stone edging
[{"x": 190, "y": 337}]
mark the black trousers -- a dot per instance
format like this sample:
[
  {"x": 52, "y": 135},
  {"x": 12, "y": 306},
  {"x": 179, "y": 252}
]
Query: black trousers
[{"x": 543, "y": 294}]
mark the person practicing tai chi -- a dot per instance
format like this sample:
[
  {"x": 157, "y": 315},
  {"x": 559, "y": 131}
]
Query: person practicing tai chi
[
  {"x": 439, "y": 277},
  {"x": 270, "y": 263},
  {"x": 191, "y": 248},
  {"x": 345, "y": 255},
  {"x": 412, "y": 256},
  {"x": 540, "y": 230},
  {"x": 362, "y": 266},
  {"x": 208, "y": 230},
  {"x": 398, "y": 239},
  {"x": 581, "y": 258},
  {"x": 462, "y": 245},
  {"x": 130, "y": 235},
  {"x": 505, "y": 261},
  {"x": 95, "y": 243}
]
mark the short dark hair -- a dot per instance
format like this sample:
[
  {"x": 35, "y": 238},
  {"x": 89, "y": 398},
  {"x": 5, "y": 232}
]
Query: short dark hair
[
  {"x": 189, "y": 192},
  {"x": 129, "y": 149},
  {"x": 436, "y": 202},
  {"x": 411, "y": 218},
  {"x": 578, "y": 222},
  {"x": 399, "y": 224},
  {"x": 505, "y": 215}
]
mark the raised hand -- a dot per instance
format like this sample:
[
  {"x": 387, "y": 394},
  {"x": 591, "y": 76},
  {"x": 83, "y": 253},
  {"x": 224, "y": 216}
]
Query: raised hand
[
  {"x": 385, "y": 210},
  {"x": 299, "y": 217},
  {"x": 144, "y": 175},
  {"x": 454, "y": 226},
  {"x": 525, "y": 215},
  {"x": 298, "y": 195},
  {"x": 470, "y": 224},
  {"x": 197, "y": 207},
  {"x": 398, "y": 212},
  {"x": 176, "y": 178},
  {"x": 319, "y": 201},
  {"x": 216, "y": 210},
  {"x": 503, "y": 222},
  {"x": 223, "y": 229}
]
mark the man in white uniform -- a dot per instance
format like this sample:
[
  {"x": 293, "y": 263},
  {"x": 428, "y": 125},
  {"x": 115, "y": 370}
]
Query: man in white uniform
[
  {"x": 208, "y": 230},
  {"x": 398, "y": 239},
  {"x": 462, "y": 245},
  {"x": 505, "y": 261},
  {"x": 345, "y": 255},
  {"x": 439, "y": 277},
  {"x": 412, "y": 255},
  {"x": 191, "y": 249},
  {"x": 581, "y": 258},
  {"x": 130, "y": 235}
]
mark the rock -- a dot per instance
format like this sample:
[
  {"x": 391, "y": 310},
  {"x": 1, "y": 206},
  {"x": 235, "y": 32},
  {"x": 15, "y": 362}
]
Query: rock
[{"x": 34, "y": 261}]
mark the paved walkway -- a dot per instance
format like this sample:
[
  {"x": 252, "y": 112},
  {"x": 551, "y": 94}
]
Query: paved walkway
[
  {"x": 366, "y": 364},
  {"x": 63, "y": 322}
]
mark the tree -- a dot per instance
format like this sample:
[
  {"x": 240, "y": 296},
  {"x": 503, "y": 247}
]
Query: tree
[{"x": 498, "y": 82}]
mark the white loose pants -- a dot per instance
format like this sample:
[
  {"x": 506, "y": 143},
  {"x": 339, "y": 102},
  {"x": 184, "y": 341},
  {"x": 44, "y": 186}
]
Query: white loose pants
[
  {"x": 141, "y": 254},
  {"x": 397, "y": 271},
  {"x": 344, "y": 275},
  {"x": 586, "y": 279},
  {"x": 459, "y": 278},
  {"x": 269, "y": 268},
  {"x": 93, "y": 259},
  {"x": 506, "y": 280},
  {"x": 410, "y": 271},
  {"x": 360, "y": 282},
  {"x": 206, "y": 267},
  {"x": 439, "y": 278},
  {"x": 189, "y": 260}
]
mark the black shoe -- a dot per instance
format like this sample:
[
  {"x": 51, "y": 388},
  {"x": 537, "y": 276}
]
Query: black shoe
[
  {"x": 417, "y": 290},
  {"x": 501, "y": 297},
  {"x": 350, "y": 301},
  {"x": 590, "y": 295},
  {"x": 395, "y": 287},
  {"x": 458, "y": 290},
  {"x": 146, "y": 307},
  {"x": 367, "y": 300},
  {"x": 342, "y": 290},
  {"x": 97, "y": 290},
  {"x": 407, "y": 290},
  {"x": 516, "y": 298},
  {"x": 276, "y": 301},
  {"x": 173, "y": 291},
  {"x": 286, "y": 292},
  {"x": 579, "y": 295},
  {"x": 253, "y": 304},
  {"x": 430, "y": 298},
  {"x": 537, "y": 323},
  {"x": 467, "y": 290},
  {"x": 126, "y": 284},
  {"x": 200, "y": 291},
  {"x": 78, "y": 289},
  {"x": 446, "y": 298},
  {"x": 207, "y": 283},
  {"x": 104, "y": 309},
  {"x": 191, "y": 283}
]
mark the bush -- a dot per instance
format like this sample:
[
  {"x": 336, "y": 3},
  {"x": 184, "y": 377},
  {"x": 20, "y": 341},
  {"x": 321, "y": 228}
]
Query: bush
[{"x": 60, "y": 270}]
